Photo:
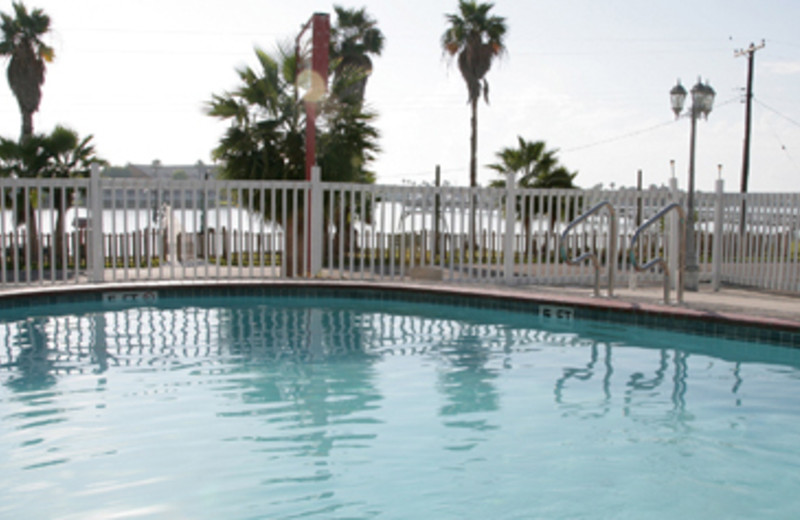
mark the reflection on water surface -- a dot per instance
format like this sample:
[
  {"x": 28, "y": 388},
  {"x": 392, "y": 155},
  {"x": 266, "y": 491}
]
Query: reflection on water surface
[{"x": 326, "y": 407}]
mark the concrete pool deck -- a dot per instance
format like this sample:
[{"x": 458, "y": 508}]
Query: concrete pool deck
[
  {"x": 729, "y": 304},
  {"x": 753, "y": 304}
]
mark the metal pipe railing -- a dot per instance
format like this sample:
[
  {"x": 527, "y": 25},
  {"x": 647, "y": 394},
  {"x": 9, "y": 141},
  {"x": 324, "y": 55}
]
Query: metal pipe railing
[
  {"x": 611, "y": 257},
  {"x": 659, "y": 260}
]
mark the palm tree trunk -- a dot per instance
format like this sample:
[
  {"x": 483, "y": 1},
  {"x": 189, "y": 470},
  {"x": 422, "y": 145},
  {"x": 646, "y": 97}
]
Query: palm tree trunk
[
  {"x": 29, "y": 251},
  {"x": 473, "y": 167},
  {"x": 27, "y": 125},
  {"x": 473, "y": 145},
  {"x": 294, "y": 244},
  {"x": 33, "y": 236}
]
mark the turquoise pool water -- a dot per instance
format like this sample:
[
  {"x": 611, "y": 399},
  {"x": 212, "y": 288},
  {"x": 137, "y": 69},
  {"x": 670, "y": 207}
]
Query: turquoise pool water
[{"x": 280, "y": 408}]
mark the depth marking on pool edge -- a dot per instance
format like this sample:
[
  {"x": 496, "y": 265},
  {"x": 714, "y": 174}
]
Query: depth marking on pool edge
[
  {"x": 130, "y": 296},
  {"x": 555, "y": 312}
]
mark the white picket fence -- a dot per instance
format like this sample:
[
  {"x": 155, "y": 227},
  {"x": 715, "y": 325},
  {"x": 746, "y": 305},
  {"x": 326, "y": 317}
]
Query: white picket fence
[{"x": 138, "y": 230}]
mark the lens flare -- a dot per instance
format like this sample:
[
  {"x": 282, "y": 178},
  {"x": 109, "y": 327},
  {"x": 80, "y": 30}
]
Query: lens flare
[{"x": 312, "y": 84}]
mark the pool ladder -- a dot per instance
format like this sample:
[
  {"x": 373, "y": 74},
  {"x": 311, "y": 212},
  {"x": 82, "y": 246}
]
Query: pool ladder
[
  {"x": 659, "y": 260},
  {"x": 611, "y": 257}
]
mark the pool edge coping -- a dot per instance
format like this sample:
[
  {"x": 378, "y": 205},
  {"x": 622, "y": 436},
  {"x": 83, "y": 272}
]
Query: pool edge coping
[{"x": 508, "y": 294}]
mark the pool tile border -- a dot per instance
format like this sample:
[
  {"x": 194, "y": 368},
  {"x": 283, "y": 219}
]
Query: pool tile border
[{"x": 704, "y": 323}]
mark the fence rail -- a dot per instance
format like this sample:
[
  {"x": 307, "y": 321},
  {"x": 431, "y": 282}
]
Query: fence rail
[{"x": 66, "y": 231}]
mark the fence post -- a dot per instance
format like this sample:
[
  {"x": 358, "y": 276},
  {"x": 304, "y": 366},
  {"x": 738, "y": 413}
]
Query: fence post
[
  {"x": 508, "y": 237},
  {"x": 316, "y": 213},
  {"x": 716, "y": 245},
  {"x": 97, "y": 261},
  {"x": 673, "y": 236}
]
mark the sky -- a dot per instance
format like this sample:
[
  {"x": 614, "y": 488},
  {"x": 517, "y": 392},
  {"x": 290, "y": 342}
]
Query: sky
[{"x": 591, "y": 79}]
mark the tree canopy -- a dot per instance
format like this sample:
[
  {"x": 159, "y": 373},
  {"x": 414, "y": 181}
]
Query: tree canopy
[
  {"x": 476, "y": 37},
  {"x": 354, "y": 37},
  {"x": 266, "y": 136},
  {"x": 61, "y": 154},
  {"x": 264, "y": 139},
  {"x": 21, "y": 40},
  {"x": 535, "y": 165}
]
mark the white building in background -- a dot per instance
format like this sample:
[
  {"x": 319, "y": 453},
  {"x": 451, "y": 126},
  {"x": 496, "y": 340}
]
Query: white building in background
[
  {"x": 131, "y": 198},
  {"x": 165, "y": 172}
]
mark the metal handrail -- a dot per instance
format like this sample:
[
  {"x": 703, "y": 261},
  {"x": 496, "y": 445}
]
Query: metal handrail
[
  {"x": 612, "y": 247},
  {"x": 659, "y": 260}
]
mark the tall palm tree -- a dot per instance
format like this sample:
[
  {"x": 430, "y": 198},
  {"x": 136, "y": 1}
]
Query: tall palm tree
[
  {"x": 22, "y": 42},
  {"x": 354, "y": 37},
  {"x": 477, "y": 38}
]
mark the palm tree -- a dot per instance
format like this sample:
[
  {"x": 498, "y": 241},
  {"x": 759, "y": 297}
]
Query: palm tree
[
  {"x": 353, "y": 38},
  {"x": 350, "y": 141},
  {"x": 347, "y": 146},
  {"x": 537, "y": 167},
  {"x": 477, "y": 38},
  {"x": 70, "y": 156},
  {"x": 266, "y": 141},
  {"x": 60, "y": 154},
  {"x": 265, "y": 137},
  {"x": 22, "y": 42}
]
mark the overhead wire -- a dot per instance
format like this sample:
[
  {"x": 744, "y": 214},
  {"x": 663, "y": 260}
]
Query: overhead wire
[
  {"x": 635, "y": 132},
  {"x": 784, "y": 42},
  {"x": 777, "y": 137},
  {"x": 784, "y": 116},
  {"x": 618, "y": 137},
  {"x": 601, "y": 142}
]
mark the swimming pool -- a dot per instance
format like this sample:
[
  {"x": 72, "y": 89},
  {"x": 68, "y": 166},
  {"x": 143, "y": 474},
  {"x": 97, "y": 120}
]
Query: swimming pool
[{"x": 309, "y": 405}]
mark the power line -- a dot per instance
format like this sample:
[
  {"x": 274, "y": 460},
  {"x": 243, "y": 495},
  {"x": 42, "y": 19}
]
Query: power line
[
  {"x": 776, "y": 112},
  {"x": 631, "y": 52},
  {"x": 636, "y": 132},
  {"x": 783, "y": 147},
  {"x": 619, "y": 137},
  {"x": 784, "y": 42},
  {"x": 728, "y": 101}
]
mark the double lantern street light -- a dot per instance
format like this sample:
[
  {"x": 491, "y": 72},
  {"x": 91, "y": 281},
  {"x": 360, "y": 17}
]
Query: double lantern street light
[{"x": 702, "y": 102}]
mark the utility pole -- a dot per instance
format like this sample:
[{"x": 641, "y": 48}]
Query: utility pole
[{"x": 750, "y": 53}]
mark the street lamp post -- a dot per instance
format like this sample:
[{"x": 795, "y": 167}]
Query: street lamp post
[{"x": 702, "y": 102}]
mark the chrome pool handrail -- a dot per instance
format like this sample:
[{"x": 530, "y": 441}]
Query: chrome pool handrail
[
  {"x": 659, "y": 260},
  {"x": 611, "y": 257}
]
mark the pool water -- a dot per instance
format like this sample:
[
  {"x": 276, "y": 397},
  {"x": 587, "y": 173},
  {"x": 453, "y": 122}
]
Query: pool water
[{"x": 281, "y": 408}]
